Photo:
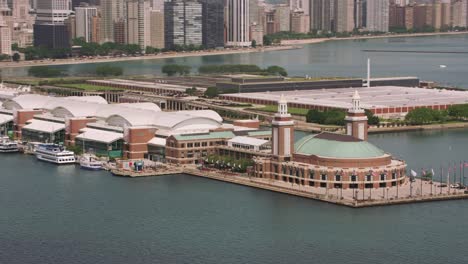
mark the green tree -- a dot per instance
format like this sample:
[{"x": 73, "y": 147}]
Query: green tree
[
  {"x": 211, "y": 92},
  {"x": 254, "y": 43},
  {"x": 44, "y": 72},
  {"x": 274, "y": 70},
  {"x": 373, "y": 120},
  {"x": 108, "y": 70},
  {"x": 16, "y": 57},
  {"x": 191, "y": 91},
  {"x": 420, "y": 116}
]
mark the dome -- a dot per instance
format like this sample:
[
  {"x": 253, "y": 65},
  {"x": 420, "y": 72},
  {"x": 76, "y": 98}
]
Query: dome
[{"x": 331, "y": 145}]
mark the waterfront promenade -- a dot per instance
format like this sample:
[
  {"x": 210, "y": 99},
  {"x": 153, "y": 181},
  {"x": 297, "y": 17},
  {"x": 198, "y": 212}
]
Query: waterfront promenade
[{"x": 410, "y": 192}]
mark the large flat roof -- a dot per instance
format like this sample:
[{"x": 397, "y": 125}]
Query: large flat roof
[{"x": 371, "y": 98}]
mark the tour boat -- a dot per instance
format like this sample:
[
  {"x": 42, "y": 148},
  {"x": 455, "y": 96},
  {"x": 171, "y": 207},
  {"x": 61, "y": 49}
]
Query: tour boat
[
  {"x": 54, "y": 154},
  {"x": 7, "y": 146},
  {"x": 89, "y": 162}
]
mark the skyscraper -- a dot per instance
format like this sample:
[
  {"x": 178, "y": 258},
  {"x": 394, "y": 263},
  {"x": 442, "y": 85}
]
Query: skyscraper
[
  {"x": 5, "y": 32},
  {"x": 238, "y": 21},
  {"x": 50, "y": 29},
  {"x": 138, "y": 22},
  {"x": 84, "y": 21},
  {"x": 378, "y": 15},
  {"x": 112, "y": 12},
  {"x": 322, "y": 15},
  {"x": 344, "y": 15},
  {"x": 182, "y": 23},
  {"x": 213, "y": 23}
]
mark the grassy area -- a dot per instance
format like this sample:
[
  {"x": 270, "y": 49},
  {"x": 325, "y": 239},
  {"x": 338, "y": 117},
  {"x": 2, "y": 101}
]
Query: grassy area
[
  {"x": 291, "y": 110},
  {"x": 89, "y": 87}
]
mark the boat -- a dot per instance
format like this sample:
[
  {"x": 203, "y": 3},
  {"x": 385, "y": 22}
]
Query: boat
[
  {"x": 54, "y": 153},
  {"x": 90, "y": 162},
  {"x": 443, "y": 66},
  {"x": 8, "y": 146}
]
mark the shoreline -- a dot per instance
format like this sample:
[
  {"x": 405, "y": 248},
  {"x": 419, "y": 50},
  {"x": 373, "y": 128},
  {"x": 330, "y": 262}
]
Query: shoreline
[
  {"x": 142, "y": 58},
  {"x": 293, "y": 42},
  {"x": 285, "y": 45}
]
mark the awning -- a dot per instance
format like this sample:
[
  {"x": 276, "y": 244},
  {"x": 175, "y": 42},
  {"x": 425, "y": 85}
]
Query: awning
[
  {"x": 5, "y": 119},
  {"x": 97, "y": 135},
  {"x": 161, "y": 142},
  {"x": 44, "y": 126}
]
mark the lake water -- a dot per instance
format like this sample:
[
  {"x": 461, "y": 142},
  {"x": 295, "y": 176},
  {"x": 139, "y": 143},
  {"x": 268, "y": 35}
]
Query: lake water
[
  {"x": 53, "y": 214},
  {"x": 335, "y": 58}
]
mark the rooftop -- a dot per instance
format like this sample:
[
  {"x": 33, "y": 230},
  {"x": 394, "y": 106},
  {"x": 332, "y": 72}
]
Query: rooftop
[
  {"x": 373, "y": 97},
  {"x": 330, "y": 145}
]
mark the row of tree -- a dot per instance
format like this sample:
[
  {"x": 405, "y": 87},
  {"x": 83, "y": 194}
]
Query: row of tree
[
  {"x": 422, "y": 116},
  {"x": 51, "y": 72},
  {"x": 336, "y": 117},
  {"x": 242, "y": 68}
]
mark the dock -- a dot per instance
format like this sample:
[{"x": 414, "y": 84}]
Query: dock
[{"x": 145, "y": 173}]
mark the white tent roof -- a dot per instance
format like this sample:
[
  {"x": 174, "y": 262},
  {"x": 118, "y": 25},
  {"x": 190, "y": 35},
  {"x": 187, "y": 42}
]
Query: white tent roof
[
  {"x": 44, "y": 126},
  {"x": 102, "y": 136},
  {"x": 5, "y": 119},
  {"x": 248, "y": 141},
  {"x": 157, "y": 142}
]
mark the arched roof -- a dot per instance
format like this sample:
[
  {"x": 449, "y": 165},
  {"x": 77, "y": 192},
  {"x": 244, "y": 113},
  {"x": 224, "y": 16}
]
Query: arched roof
[{"x": 330, "y": 145}]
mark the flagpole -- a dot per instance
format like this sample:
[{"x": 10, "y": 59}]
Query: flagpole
[
  {"x": 448, "y": 180},
  {"x": 440, "y": 183},
  {"x": 422, "y": 182}
]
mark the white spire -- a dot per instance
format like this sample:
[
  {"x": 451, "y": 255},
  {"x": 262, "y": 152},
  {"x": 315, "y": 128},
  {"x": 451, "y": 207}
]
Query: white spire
[
  {"x": 282, "y": 105},
  {"x": 356, "y": 101}
]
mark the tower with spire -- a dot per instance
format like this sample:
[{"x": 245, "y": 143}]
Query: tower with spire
[
  {"x": 283, "y": 132},
  {"x": 356, "y": 119}
]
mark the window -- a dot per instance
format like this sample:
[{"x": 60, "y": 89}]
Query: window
[
  {"x": 368, "y": 177},
  {"x": 324, "y": 177},
  {"x": 189, "y": 145},
  {"x": 338, "y": 177},
  {"x": 383, "y": 177},
  {"x": 353, "y": 178},
  {"x": 394, "y": 175},
  {"x": 311, "y": 174}
]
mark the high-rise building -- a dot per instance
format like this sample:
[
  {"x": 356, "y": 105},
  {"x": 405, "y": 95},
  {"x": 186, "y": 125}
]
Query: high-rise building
[
  {"x": 5, "y": 32},
  {"x": 409, "y": 17},
  {"x": 423, "y": 16},
  {"x": 322, "y": 15},
  {"x": 238, "y": 22},
  {"x": 182, "y": 23},
  {"x": 282, "y": 17},
  {"x": 300, "y": 5},
  {"x": 360, "y": 14},
  {"x": 460, "y": 13},
  {"x": 23, "y": 23},
  {"x": 157, "y": 29},
  {"x": 446, "y": 15},
  {"x": 50, "y": 29},
  {"x": 300, "y": 22},
  {"x": 213, "y": 23},
  {"x": 138, "y": 22},
  {"x": 378, "y": 15},
  {"x": 396, "y": 16},
  {"x": 157, "y": 5},
  {"x": 112, "y": 12},
  {"x": 84, "y": 21},
  {"x": 344, "y": 15}
]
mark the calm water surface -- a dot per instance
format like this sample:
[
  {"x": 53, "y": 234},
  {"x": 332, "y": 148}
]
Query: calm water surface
[
  {"x": 65, "y": 215},
  {"x": 334, "y": 58}
]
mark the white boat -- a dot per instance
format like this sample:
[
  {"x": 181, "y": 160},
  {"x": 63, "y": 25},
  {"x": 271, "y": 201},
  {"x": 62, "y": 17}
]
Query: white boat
[
  {"x": 54, "y": 154},
  {"x": 89, "y": 162},
  {"x": 8, "y": 146},
  {"x": 443, "y": 66}
]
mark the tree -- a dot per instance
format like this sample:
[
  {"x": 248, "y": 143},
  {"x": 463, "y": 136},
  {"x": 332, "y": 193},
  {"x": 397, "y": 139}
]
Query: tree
[
  {"x": 420, "y": 116},
  {"x": 274, "y": 70},
  {"x": 254, "y": 43},
  {"x": 109, "y": 70},
  {"x": 191, "y": 91},
  {"x": 169, "y": 69},
  {"x": 372, "y": 119},
  {"x": 211, "y": 92},
  {"x": 331, "y": 117},
  {"x": 16, "y": 57},
  {"x": 44, "y": 72}
]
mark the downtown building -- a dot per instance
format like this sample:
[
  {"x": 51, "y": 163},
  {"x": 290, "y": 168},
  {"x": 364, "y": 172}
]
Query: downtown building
[
  {"x": 85, "y": 22},
  {"x": 322, "y": 16},
  {"x": 182, "y": 23},
  {"x": 377, "y": 18},
  {"x": 112, "y": 21},
  {"x": 5, "y": 32},
  {"x": 344, "y": 15},
  {"x": 137, "y": 25},
  {"x": 50, "y": 29},
  {"x": 238, "y": 23},
  {"x": 213, "y": 23}
]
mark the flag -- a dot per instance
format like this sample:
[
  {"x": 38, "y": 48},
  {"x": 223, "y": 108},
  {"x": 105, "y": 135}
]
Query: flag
[
  {"x": 466, "y": 164},
  {"x": 432, "y": 171},
  {"x": 413, "y": 173}
]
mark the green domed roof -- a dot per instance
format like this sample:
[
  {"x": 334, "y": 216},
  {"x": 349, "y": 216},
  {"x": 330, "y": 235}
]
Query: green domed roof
[{"x": 337, "y": 146}]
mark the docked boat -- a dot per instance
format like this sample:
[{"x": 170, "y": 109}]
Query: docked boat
[
  {"x": 89, "y": 162},
  {"x": 8, "y": 146},
  {"x": 55, "y": 154}
]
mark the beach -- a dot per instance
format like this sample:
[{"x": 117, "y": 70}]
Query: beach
[
  {"x": 320, "y": 40},
  {"x": 167, "y": 55}
]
